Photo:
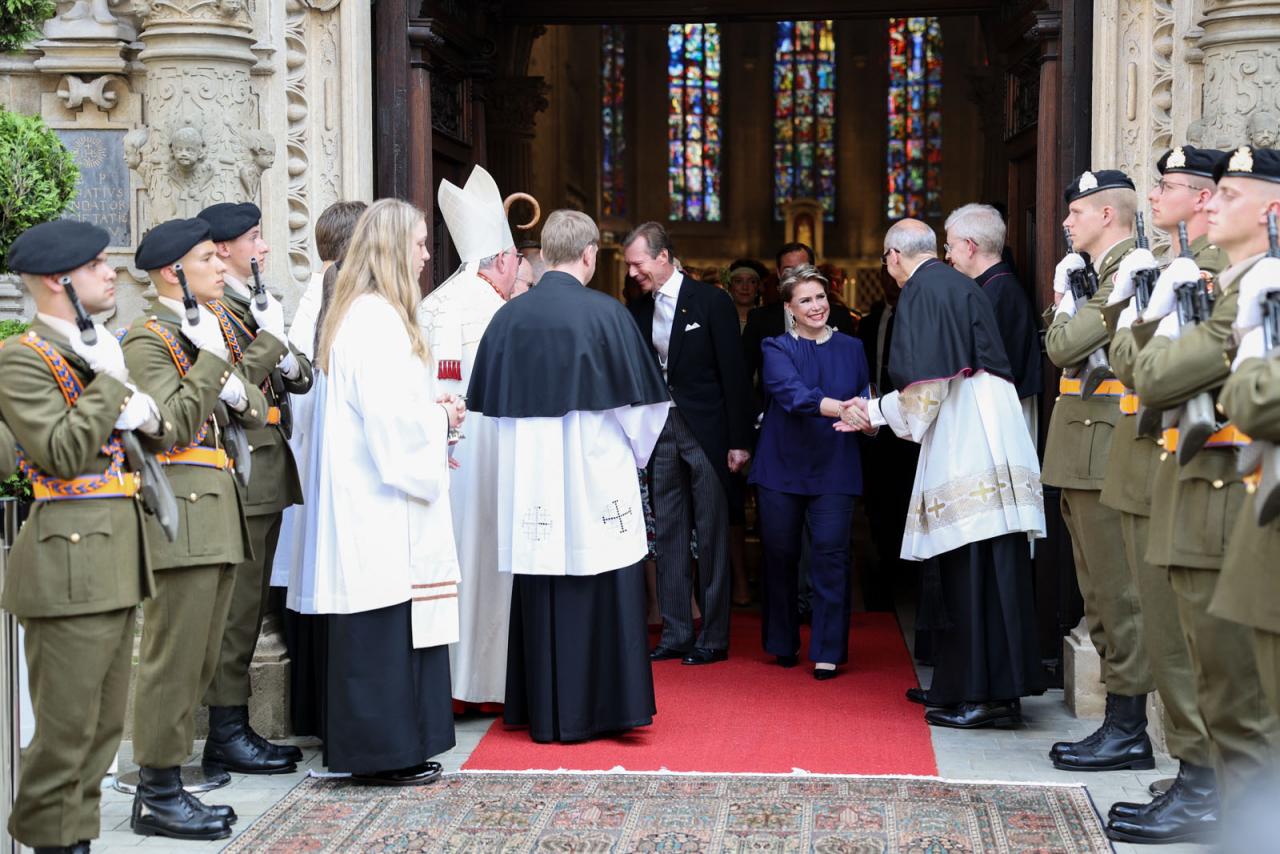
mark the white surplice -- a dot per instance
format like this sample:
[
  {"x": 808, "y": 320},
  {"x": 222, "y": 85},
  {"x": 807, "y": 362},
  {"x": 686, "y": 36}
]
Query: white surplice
[
  {"x": 454, "y": 317},
  {"x": 568, "y": 493},
  {"x": 378, "y": 524},
  {"x": 978, "y": 475},
  {"x": 293, "y": 529}
]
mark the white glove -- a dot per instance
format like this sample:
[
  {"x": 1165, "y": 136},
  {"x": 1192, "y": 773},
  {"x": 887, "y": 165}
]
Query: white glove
[
  {"x": 104, "y": 356},
  {"x": 1070, "y": 261},
  {"x": 1138, "y": 259},
  {"x": 1067, "y": 305},
  {"x": 271, "y": 318},
  {"x": 1262, "y": 278},
  {"x": 1127, "y": 317},
  {"x": 140, "y": 412},
  {"x": 233, "y": 393},
  {"x": 1169, "y": 327},
  {"x": 1179, "y": 270},
  {"x": 288, "y": 366},
  {"x": 1251, "y": 347},
  {"x": 206, "y": 334}
]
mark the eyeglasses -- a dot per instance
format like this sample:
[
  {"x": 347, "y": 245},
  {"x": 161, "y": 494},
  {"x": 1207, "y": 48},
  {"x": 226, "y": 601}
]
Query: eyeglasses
[
  {"x": 1162, "y": 186},
  {"x": 884, "y": 256},
  {"x": 946, "y": 247}
]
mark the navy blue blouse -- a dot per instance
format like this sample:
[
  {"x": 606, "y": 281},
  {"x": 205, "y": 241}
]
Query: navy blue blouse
[{"x": 799, "y": 451}]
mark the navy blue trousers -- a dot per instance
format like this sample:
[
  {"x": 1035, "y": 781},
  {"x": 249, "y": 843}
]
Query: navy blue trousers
[{"x": 783, "y": 516}]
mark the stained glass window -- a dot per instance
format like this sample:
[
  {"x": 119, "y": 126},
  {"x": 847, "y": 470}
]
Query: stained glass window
[
  {"x": 915, "y": 118},
  {"x": 804, "y": 114},
  {"x": 613, "y": 186},
  {"x": 693, "y": 121}
]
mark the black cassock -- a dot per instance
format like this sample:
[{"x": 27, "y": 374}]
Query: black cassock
[
  {"x": 1019, "y": 327},
  {"x": 978, "y": 599},
  {"x": 577, "y": 652}
]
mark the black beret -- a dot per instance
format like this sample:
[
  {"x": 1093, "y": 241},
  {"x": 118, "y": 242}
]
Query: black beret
[
  {"x": 1249, "y": 162},
  {"x": 228, "y": 220},
  {"x": 168, "y": 242},
  {"x": 59, "y": 246},
  {"x": 1190, "y": 160},
  {"x": 1095, "y": 182}
]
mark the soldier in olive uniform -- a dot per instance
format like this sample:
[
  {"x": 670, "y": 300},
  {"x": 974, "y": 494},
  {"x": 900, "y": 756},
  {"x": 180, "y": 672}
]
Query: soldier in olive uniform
[
  {"x": 185, "y": 366},
  {"x": 1101, "y": 208},
  {"x": 1248, "y": 589},
  {"x": 79, "y": 566},
  {"x": 1195, "y": 505},
  {"x": 1190, "y": 809},
  {"x": 1249, "y": 586},
  {"x": 254, "y": 336}
]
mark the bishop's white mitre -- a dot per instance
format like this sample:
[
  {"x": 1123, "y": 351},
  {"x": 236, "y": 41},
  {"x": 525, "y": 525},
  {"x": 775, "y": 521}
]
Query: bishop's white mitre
[{"x": 475, "y": 217}]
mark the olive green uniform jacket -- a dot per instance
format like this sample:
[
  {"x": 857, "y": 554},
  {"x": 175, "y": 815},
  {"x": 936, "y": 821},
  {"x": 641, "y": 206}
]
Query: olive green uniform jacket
[
  {"x": 1249, "y": 587},
  {"x": 273, "y": 481},
  {"x": 1080, "y": 430},
  {"x": 1194, "y": 506},
  {"x": 1131, "y": 470},
  {"x": 8, "y": 452},
  {"x": 212, "y": 527},
  {"x": 86, "y": 556}
]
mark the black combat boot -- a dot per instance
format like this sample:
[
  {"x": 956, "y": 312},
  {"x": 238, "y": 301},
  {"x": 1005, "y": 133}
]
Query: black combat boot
[
  {"x": 1120, "y": 743},
  {"x": 81, "y": 847},
  {"x": 233, "y": 746},
  {"x": 1188, "y": 812},
  {"x": 1128, "y": 809},
  {"x": 161, "y": 808},
  {"x": 222, "y": 811},
  {"x": 1086, "y": 743}
]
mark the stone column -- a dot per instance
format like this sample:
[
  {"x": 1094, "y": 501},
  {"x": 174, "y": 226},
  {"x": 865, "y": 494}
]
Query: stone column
[
  {"x": 201, "y": 143},
  {"x": 1239, "y": 47},
  {"x": 511, "y": 107}
]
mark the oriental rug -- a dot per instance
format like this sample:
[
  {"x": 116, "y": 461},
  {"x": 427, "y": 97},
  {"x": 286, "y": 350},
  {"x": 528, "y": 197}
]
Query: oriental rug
[
  {"x": 748, "y": 714},
  {"x": 686, "y": 813}
]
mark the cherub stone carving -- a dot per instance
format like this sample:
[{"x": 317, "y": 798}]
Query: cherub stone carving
[
  {"x": 1263, "y": 129},
  {"x": 261, "y": 157}
]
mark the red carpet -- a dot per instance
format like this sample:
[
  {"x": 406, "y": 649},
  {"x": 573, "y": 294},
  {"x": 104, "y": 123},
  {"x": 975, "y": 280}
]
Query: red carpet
[{"x": 749, "y": 715}]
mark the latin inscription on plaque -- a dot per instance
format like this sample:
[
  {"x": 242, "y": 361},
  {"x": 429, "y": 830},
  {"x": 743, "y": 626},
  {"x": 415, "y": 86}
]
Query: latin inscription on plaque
[{"x": 102, "y": 196}]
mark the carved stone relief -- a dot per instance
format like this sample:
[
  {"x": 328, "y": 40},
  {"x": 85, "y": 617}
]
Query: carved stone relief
[{"x": 1241, "y": 48}]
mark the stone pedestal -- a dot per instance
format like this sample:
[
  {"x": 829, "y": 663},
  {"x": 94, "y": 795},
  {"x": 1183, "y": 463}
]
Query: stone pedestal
[{"x": 1082, "y": 675}]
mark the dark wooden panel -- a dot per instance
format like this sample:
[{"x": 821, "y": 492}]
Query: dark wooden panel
[{"x": 665, "y": 11}]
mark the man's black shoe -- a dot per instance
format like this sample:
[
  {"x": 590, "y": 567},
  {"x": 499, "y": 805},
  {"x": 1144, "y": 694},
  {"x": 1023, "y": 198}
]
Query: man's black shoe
[
  {"x": 81, "y": 847},
  {"x": 921, "y": 697},
  {"x": 787, "y": 660},
  {"x": 233, "y": 746},
  {"x": 418, "y": 775},
  {"x": 976, "y": 715},
  {"x": 662, "y": 653},
  {"x": 1188, "y": 812},
  {"x": 700, "y": 655},
  {"x": 159, "y": 809},
  {"x": 1121, "y": 743}
]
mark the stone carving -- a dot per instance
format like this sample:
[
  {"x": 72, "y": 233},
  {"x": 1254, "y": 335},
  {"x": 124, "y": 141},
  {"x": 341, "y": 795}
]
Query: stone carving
[
  {"x": 261, "y": 156},
  {"x": 1263, "y": 129},
  {"x": 100, "y": 91},
  {"x": 89, "y": 19},
  {"x": 1241, "y": 48},
  {"x": 298, "y": 112},
  {"x": 190, "y": 11}
]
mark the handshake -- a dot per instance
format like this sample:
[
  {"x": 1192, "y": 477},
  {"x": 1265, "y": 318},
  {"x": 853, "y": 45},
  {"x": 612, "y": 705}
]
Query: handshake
[{"x": 854, "y": 416}]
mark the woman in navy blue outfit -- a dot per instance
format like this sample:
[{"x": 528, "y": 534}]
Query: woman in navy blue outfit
[{"x": 805, "y": 471}]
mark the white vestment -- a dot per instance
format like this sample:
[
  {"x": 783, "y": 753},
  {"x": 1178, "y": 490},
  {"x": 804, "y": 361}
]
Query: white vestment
[
  {"x": 453, "y": 317},
  {"x": 293, "y": 529},
  {"x": 377, "y": 505},
  {"x": 978, "y": 475},
  {"x": 568, "y": 493}
]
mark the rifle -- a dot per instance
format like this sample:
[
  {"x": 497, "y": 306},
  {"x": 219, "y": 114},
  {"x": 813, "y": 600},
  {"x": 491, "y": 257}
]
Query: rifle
[
  {"x": 1263, "y": 456},
  {"x": 1144, "y": 283},
  {"x": 157, "y": 493},
  {"x": 1084, "y": 284},
  {"x": 1196, "y": 418},
  {"x": 233, "y": 434},
  {"x": 276, "y": 378}
]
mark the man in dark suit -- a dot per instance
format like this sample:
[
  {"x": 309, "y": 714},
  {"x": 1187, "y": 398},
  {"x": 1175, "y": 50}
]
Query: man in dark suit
[
  {"x": 693, "y": 328},
  {"x": 769, "y": 320}
]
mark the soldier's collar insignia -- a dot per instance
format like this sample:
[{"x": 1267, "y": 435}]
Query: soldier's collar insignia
[
  {"x": 1177, "y": 159},
  {"x": 1088, "y": 182},
  {"x": 1241, "y": 160}
]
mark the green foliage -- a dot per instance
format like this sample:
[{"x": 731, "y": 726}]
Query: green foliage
[
  {"x": 21, "y": 20},
  {"x": 37, "y": 174},
  {"x": 16, "y": 485}
]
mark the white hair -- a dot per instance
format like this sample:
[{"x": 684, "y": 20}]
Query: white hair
[
  {"x": 980, "y": 223},
  {"x": 911, "y": 237}
]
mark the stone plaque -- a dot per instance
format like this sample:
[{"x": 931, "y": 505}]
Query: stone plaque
[{"x": 102, "y": 196}]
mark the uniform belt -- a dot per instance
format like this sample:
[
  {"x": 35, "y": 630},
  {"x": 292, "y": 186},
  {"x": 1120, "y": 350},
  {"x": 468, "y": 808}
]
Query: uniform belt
[
  {"x": 215, "y": 458},
  {"x": 1228, "y": 437},
  {"x": 125, "y": 486},
  {"x": 273, "y": 415},
  {"x": 1106, "y": 388},
  {"x": 1129, "y": 403}
]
